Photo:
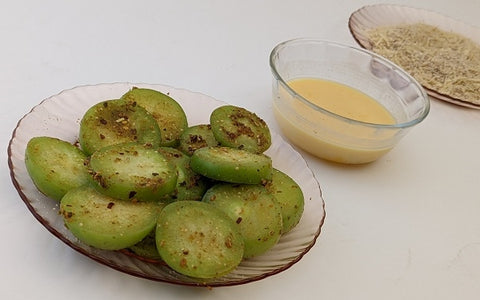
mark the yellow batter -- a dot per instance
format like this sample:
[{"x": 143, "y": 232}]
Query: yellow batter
[{"x": 342, "y": 100}]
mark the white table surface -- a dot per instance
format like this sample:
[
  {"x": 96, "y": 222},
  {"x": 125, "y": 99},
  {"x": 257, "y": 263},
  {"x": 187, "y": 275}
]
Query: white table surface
[{"x": 404, "y": 227}]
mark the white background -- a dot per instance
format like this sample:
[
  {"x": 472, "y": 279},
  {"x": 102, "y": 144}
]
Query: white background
[{"x": 405, "y": 227}]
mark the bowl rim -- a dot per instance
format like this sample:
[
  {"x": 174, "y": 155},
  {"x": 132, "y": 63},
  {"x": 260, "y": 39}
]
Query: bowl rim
[{"x": 383, "y": 60}]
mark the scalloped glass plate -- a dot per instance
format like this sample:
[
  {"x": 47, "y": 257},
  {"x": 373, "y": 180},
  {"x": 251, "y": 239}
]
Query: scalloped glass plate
[
  {"x": 59, "y": 116},
  {"x": 378, "y": 15}
]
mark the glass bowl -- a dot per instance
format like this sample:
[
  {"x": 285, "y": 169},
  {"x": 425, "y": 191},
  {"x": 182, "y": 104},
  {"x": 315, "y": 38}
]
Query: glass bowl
[
  {"x": 331, "y": 136},
  {"x": 59, "y": 116}
]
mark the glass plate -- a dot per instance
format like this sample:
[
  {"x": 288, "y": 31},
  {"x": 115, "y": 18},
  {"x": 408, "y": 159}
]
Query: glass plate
[
  {"x": 378, "y": 15},
  {"x": 59, "y": 116}
]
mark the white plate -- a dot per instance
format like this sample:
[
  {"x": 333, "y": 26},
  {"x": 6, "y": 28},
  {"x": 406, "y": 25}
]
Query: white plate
[
  {"x": 59, "y": 116},
  {"x": 378, "y": 15}
]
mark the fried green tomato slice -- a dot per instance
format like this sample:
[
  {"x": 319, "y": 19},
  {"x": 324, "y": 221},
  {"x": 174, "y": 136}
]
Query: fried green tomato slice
[
  {"x": 289, "y": 195},
  {"x": 168, "y": 113},
  {"x": 196, "y": 137},
  {"x": 132, "y": 171},
  {"x": 254, "y": 210},
  {"x": 232, "y": 165},
  {"x": 55, "y": 166},
  {"x": 117, "y": 121},
  {"x": 107, "y": 223},
  {"x": 190, "y": 185},
  {"x": 198, "y": 240},
  {"x": 240, "y": 128}
]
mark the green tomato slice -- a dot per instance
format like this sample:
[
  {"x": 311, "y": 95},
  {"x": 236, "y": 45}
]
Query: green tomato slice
[
  {"x": 168, "y": 113},
  {"x": 289, "y": 195},
  {"x": 146, "y": 248},
  {"x": 55, "y": 166},
  {"x": 132, "y": 171},
  {"x": 254, "y": 210},
  {"x": 198, "y": 240},
  {"x": 232, "y": 165},
  {"x": 114, "y": 122},
  {"x": 240, "y": 128},
  {"x": 190, "y": 185},
  {"x": 107, "y": 223},
  {"x": 196, "y": 137}
]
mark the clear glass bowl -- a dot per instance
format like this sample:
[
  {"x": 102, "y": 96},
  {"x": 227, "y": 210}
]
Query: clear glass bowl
[
  {"x": 59, "y": 116},
  {"x": 331, "y": 136}
]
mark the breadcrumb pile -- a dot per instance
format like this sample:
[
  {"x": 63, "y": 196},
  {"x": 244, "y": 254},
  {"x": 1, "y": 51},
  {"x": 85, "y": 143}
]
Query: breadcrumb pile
[{"x": 445, "y": 62}]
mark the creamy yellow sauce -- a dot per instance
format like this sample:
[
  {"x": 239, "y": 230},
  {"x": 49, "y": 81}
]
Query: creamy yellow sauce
[{"x": 341, "y": 100}]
